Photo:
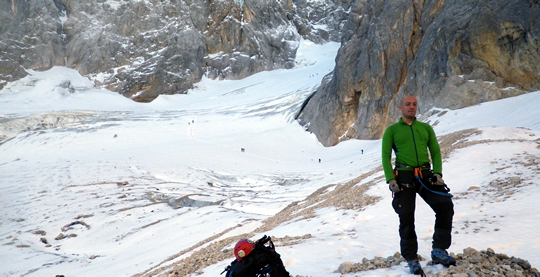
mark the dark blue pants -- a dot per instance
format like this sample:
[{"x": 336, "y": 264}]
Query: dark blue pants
[{"x": 404, "y": 203}]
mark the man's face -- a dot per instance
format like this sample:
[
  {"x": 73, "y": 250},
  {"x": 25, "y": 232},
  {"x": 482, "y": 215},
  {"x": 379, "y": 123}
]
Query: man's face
[{"x": 408, "y": 107}]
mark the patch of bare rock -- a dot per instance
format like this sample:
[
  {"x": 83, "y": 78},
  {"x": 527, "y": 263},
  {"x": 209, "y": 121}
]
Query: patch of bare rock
[{"x": 470, "y": 263}]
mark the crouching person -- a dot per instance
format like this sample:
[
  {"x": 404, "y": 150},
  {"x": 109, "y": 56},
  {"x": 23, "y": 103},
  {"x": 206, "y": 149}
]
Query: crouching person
[{"x": 256, "y": 259}]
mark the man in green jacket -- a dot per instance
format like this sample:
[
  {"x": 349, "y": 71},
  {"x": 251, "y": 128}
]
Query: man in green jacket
[{"x": 411, "y": 140}]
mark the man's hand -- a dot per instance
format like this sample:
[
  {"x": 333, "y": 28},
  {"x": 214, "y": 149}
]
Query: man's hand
[
  {"x": 393, "y": 186},
  {"x": 437, "y": 180}
]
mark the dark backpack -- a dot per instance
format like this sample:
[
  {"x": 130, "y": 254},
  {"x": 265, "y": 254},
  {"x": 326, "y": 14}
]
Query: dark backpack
[{"x": 262, "y": 261}]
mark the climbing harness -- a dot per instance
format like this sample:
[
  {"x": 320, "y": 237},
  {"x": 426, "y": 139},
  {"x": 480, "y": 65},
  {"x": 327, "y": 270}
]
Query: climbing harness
[{"x": 418, "y": 176}]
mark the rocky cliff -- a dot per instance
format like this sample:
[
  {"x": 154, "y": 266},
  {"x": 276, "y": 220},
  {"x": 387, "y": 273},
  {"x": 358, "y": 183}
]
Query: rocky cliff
[
  {"x": 449, "y": 54},
  {"x": 143, "y": 48}
]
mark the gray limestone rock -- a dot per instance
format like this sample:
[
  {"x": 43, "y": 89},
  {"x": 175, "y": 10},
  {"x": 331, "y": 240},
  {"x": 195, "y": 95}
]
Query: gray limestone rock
[
  {"x": 449, "y": 54},
  {"x": 142, "y": 49}
]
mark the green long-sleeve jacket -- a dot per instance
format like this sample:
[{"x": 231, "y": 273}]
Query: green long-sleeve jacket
[{"x": 410, "y": 144}]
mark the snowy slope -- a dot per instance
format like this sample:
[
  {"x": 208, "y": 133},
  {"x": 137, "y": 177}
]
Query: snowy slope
[{"x": 130, "y": 185}]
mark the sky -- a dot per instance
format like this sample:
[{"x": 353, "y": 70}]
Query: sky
[{"x": 131, "y": 184}]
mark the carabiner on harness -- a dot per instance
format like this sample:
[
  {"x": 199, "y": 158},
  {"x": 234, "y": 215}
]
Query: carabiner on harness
[{"x": 418, "y": 176}]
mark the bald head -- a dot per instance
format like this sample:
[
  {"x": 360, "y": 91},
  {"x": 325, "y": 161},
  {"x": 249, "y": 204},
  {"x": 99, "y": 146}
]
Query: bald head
[
  {"x": 408, "y": 99},
  {"x": 408, "y": 108}
]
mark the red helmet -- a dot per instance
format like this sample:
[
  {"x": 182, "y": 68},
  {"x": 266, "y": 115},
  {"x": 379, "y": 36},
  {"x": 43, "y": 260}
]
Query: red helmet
[{"x": 243, "y": 248}]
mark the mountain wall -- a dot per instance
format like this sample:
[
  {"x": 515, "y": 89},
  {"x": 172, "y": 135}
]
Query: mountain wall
[
  {"x": 449, "y": 54},
  {"x": 144, "y": 48}
]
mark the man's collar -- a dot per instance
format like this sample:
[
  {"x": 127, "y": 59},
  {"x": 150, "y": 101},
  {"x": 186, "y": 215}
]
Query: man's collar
[{"x": 403, "y": 122}]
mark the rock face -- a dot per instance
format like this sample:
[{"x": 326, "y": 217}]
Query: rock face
[
  {"x": 449, "y": 54},
  {"x": 28, "y": 38},
  {"x": 145, "y": 48}
]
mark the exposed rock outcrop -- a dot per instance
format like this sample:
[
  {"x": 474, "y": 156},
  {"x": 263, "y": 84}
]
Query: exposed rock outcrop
[
  {"x": 449, "y": 54},
  {"x": 470, "y": 263},
  {"x": 29, "y": 37},
  {"x": 142, "y": 49}
]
